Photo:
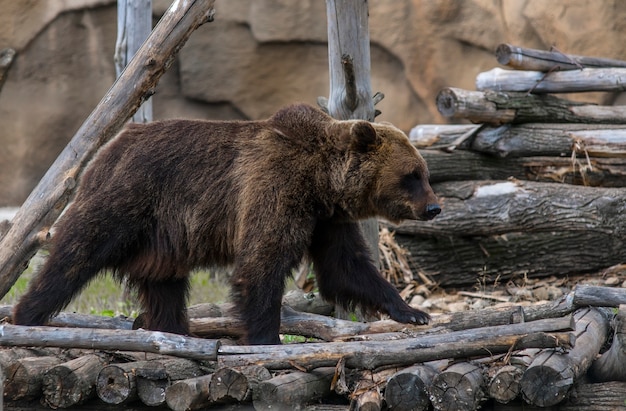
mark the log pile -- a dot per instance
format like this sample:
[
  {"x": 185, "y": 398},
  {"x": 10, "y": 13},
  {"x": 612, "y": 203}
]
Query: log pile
[
  {"x": 521, "y": 356},
  {"x": 535, "y": 185}
]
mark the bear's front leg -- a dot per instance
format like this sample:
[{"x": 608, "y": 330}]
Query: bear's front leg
[{"x": 346, "y": 275}]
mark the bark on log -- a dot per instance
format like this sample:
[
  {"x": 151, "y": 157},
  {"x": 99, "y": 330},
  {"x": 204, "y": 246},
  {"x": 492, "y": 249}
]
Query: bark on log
[
  {"x": 526, "y": 140},
  {"x": 298, "y": 388},
  {"x": 117, "y": 384},
  {"x": 523, "y": 58},
  {"x": 497, "y": 108},
  {"x": 189, "y": 394},
  {"x": 573, "y": 81},
  {"x": 154, "y": 377},
  {"x": 610, "y": 366},
  {"x": 460, "y": 387},
  {"x": 236, "y": 384},
  {"x": 595, "y": 296},
  {"x": 373, "y": 354},
  {"x": 408, "y": 389},
  {"x": 551, "y": 375},
  {"x": 596, "y": 397},
  {"x": 67, "y": 319},
  {"x": 25, "y": 376},
  {"x": 503, "y": 229},
  {"x": 137, "y": 340},
  {"x": 30, "y": 225},
  {"x": 72, "y": 382},
  {"x": 462, "y": 165}
]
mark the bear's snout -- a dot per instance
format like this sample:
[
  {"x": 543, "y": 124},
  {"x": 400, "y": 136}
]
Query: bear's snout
[{"x": 432, "y": 211}]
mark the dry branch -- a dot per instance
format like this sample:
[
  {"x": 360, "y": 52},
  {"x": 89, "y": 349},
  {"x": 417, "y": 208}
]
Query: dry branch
[
  {"x": 373, "y": 354},
  {"x": 589, "y": 79},
  {"x": 29, "y": 228},
  {"x": 550, "y": 376},
  {"x": 128, "y": 340},
  {"x": 523, "y": 58}
]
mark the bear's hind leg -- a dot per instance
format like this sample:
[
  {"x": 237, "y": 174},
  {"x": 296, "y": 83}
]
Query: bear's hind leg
[{"x": 164, "y": 303}]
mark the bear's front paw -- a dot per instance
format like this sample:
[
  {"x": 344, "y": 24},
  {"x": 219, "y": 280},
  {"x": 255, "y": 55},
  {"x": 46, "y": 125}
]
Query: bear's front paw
[{"x": 409, "y": 315}]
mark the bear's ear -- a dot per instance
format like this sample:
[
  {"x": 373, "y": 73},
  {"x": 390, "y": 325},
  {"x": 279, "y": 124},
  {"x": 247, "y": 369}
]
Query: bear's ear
[{"x": 364, "y": 137}]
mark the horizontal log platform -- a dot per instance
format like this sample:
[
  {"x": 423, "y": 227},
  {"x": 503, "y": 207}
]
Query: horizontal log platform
[
  {"x": 497, "y": 107},
  {"x": 573, "y": 81},
  {"x": 522, "y": 58}
]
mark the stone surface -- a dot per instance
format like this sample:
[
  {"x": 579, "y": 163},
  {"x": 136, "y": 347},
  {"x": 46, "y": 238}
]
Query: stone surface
[{"x": 259, "y": 55}]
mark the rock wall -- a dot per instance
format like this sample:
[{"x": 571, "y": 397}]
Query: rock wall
[{"x": 259, "y": 55}]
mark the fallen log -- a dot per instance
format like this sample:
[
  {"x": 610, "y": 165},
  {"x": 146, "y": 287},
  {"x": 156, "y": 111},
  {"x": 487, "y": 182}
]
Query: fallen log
[
  {"x": 236, "y": 384},
  {"x": 24, "y": 378},
  {"x": 503, "y": 229},
  {"x": 596, "y": 296},
  {"x": 460, "y": 387},
  {"x": 523, "y": 58},
  {"x": 526, "y": 140},
  {"x": 374, "y": 354},
  {"x": 189, "y": 394},
  {"x": 72, "y": 382},
  {"x": 550, "y": 376},
  {"x": 128, "y": 340},
  {"x": 154, "y": 377},
  {"x": 572, "y": 81},
  {"x": 282, "y": 392},
  {"x": 463, "y": 165},
  {"x": 408, "y": 388},
  {"x": 496, "y": 108}
]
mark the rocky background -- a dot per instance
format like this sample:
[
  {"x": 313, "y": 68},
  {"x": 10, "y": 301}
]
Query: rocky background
[{"x": 259, "y": 55}]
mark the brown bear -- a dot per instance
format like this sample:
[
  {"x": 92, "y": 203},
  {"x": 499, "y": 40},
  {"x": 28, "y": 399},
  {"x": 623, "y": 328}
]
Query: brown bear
[{"x": 166, "y": 197}]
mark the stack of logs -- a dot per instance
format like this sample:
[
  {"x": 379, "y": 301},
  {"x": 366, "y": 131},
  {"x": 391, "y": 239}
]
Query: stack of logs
[
  {"x": 535, "y": 186},
  {"x": 540, "y": 355}
]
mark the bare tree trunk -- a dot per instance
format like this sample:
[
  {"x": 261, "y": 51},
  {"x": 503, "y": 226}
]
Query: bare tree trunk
[
  {"x": 134, "y": 24},
  {"x": 350, "y": 86},
  {"x": 30, "y": 226}
]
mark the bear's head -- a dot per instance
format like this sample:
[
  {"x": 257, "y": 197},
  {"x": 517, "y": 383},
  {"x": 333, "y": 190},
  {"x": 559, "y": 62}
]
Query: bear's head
[{"x": 384, "y": 174}]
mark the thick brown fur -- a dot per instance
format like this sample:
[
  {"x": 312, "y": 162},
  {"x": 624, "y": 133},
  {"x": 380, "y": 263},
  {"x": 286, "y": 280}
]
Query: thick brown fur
[{"x": 164, "y": 198}]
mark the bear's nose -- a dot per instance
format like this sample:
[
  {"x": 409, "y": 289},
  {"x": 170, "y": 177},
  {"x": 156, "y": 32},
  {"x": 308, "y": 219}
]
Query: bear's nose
[{"x": 432, "y": 211}]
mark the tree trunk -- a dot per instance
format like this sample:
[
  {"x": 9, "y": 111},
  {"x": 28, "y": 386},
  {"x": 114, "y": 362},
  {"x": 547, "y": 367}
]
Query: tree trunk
[
  {"x": 30, "y": 226},
  {"x": 350, "y": 86},
  {"x": 134, "y": 24}
]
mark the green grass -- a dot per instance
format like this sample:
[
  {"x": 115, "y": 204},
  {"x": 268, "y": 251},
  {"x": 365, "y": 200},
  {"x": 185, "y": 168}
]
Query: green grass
[{"x": 105, "y": 296}]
